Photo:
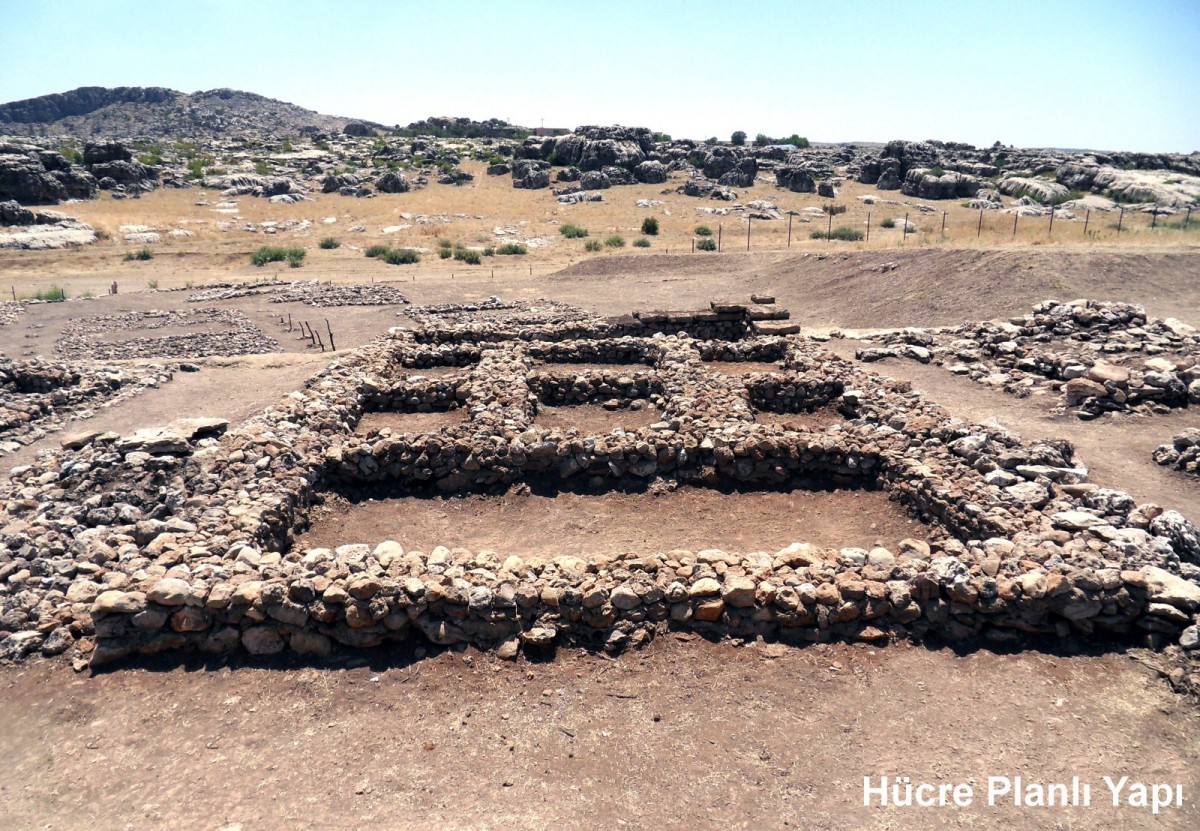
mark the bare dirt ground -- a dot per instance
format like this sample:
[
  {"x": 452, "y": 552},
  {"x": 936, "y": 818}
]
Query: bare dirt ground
[
  {"x": 682, "y": 735},
  {"x": 410, "y": 422},
  {"x": 592, "y": 418},
  {"x": 541, "y": 527}
]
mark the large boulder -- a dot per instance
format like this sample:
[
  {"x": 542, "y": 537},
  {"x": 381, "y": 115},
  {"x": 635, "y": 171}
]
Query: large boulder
[
  {"x": 334, "y": 182},
  {"x": 729, "y": 167},
  {"x": 103, "y": 152},
  {"x": 594, "y": 180},
  {"x": 795, "y": 179},
  {"x": 11, "y": 213},
  {"x": 651, "y": 172},
  {"x": 128, "y": 174},
  {"x": 530, "y": 174},
  {"x": 926, "y": 184},
  {"x": 358, "y": 129},
  {"x": 392, "y": 182},
  {"x": 25, "y": 178},
  {"x": 1077, "y": 175},
  {"x": 1040, "y": 190},
  {"x": 889, "y": 175}
]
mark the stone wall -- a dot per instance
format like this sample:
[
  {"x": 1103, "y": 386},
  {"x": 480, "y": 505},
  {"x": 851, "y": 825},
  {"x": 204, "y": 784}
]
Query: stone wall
[{"x": 194, "y": 548}]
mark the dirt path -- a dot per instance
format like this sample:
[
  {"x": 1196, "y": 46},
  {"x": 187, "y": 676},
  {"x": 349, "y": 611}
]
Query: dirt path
[{"x": 683, "y": 735}]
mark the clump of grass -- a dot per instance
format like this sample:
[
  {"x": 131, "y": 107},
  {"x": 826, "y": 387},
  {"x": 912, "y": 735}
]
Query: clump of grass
[
  {"x": 650, "y": 226},
  {"x": 936, "y": 171},
  {"x": 152, "y": 284},
  {"x": 329, "y": 243},
  {"x": 374, "y": 251},
  {"x": 706, "y": 244},
  {"x": 641, "y": 242},
  {"x": 489, "y": 251},
  {"x": 141, "y": 254},
  {"x": 512, "y": 248},
  {"x": 52, "y": 293},
  {"x": 276, "y": 254},
  {"x": 615, "y": 241},
  {"x": 703, "y": 231},
  {"x": 592, "y": 245},
  {"x": 844, "y": 234},
  {"x": 401, "y": 256},
  {"x": 888, "y": 223},
  {"x": 572, "y": 231},
  {"x": 832, "y": 209},
  {"x": 466, "y": 255}
]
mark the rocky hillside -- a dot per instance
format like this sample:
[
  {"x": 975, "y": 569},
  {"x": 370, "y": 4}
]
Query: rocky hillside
[{"x": 160, "y": 113}]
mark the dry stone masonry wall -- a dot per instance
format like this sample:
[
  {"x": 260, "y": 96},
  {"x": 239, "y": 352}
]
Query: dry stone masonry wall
[
  {"x": 1096, "y": 357},
  {"x": 234, "y": 334},
  {"x": 193, "y": 547},
  {"x": 38, "y": 397}
]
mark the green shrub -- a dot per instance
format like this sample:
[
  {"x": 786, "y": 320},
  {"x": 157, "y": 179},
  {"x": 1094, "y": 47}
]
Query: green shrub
[
  {"x": 489, "y": 251},
  {"x": 843, "y": 233},
  {"x": 706, "y": 244},
  {"x": 615, "y": 241},
  {"x": 738, "y": 138},
  {"x": 287, "y": 146},
  {"x": 262, "y": 168},
  {"x": 592, "y": 245},
  {"x": 52, "y": 293},
  {"x": 703, "y": 231},
  {"x": 329, "y": 243},
  {"x": 796, "y": 140},
  {"x": 833, "y": 210},
  {"x": 445, "y": 253},
  {"x": 573, "y": 231},
  {"x": 445, "y": 243},
  {"x": 888, "y": 223},
  {"x": 141, "y": 254},
  {"x": 762, "y": 140},
  {"x": 466, "y": 255},
  {"x": 151, "y": 284},
  {"x": 374, "y": 251},
  {"x": 275, "y": 254},
  {"x": 936, "y": 170},
  {"x": 510, "y": 248},
  {"x": 401, "y": 256},
  {"x": 641, "y": 242},
  {"x": 650, "y": 226}
]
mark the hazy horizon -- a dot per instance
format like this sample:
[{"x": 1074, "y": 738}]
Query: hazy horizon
[{"x": 1101, "y": 76}]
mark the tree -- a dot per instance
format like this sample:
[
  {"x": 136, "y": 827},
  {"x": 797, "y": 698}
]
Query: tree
[
  {"x": 711, "y": 140},
  {"x": 762, "y": 140},
  {"x": 738, "y": 138},
  {"x": 797, "y": 140}
]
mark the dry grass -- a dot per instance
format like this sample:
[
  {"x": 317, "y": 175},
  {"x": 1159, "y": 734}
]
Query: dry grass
[{"x": 474, "y": 210}]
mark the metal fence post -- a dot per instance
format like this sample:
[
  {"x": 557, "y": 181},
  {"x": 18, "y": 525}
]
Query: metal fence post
[
  {"x": 868, "y": 237},
  {"x": 829, "y": 230},
  {"x": 979, "y": 229},
  {"x": 790, "y": 217},
  {"x": 1086, "y": 220},
  {"x": 1120, "y": 221},
  {"x": 904, "y": 235},
  {"x": 1016, "y": 216},
  {"x": 1051, "y": 231}
]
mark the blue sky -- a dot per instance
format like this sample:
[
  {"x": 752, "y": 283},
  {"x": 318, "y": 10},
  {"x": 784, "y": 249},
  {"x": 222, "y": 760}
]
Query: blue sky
[{"x": 1105, "y": 75}]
